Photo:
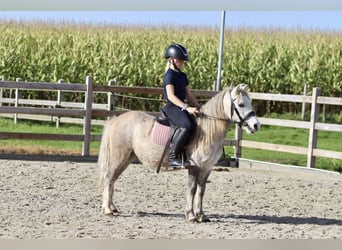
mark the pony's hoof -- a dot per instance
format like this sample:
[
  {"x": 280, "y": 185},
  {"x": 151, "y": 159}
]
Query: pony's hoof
[
  {"x": 192, "y": 219},
  {"x": 114, "y": 209},
  {"x": 203, "y": 218},
  {"x": 110, "y": 215},
  {"x": 109, "y": 212}
]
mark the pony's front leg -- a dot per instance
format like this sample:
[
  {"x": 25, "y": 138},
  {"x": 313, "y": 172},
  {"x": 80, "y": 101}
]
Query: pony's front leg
[
  {"x": 192, "y": 185},
  {"x": 198, "y": 199}
]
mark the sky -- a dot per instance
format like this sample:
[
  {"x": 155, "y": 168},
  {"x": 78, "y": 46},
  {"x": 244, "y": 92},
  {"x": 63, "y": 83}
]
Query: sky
[{"x": 322, "y": 20}]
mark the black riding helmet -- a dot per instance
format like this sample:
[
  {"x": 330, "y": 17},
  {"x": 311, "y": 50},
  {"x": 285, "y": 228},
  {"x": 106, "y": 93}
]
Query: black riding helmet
[{"x": 177, "y": 51}]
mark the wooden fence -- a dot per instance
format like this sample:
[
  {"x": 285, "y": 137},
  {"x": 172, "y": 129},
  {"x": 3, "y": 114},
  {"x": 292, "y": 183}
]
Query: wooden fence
[{"x": 88, "y": 110}]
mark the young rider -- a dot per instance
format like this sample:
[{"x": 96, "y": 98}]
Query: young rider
[{"x": 176, "y": 91}]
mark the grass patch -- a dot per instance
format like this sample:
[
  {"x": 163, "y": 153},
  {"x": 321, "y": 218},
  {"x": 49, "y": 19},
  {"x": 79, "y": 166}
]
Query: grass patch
[
  {"x": 269, "y": 134},
  {"x": 292, "y": 137},
  {"x": 45, "y": 146}
]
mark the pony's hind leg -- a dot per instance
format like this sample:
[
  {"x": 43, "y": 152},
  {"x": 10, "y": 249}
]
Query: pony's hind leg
[
  {"x": 109, "y": 177},
  {"x": 108, "y": 207}
]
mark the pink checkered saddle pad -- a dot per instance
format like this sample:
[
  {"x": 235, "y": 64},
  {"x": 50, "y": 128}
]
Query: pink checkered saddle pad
[{"x": 160, "y": 133}]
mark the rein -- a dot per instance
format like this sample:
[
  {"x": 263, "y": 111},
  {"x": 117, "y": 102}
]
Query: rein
[
  {"x": 242, "y": 121},
  {"x": 201, "y": 114}
]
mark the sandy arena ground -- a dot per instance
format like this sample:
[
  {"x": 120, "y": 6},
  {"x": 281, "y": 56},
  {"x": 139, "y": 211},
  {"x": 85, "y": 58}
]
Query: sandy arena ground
[{"x": 59, "y": 200}]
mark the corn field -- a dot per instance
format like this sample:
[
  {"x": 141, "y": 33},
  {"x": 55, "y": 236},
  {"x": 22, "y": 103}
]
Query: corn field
[{"x": 269, "y": 60}]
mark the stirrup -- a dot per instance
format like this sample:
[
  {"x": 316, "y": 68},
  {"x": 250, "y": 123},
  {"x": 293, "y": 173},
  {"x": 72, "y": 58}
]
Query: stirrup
[
  {"x": 178, "y": 167},
  {"x": 175, "y": 163}
]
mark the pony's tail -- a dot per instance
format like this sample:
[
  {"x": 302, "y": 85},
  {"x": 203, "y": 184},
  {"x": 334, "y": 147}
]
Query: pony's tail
[{"x": 104, "y": 155}]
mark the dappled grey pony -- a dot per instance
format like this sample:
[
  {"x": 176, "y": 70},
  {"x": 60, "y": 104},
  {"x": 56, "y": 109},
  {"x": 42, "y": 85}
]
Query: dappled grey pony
[{"x": 128, "y": 136}]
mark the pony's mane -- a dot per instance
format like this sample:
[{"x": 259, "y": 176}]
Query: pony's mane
[
  {"x": 215, "y": 106},
  {"x": 209, "y": 129}
]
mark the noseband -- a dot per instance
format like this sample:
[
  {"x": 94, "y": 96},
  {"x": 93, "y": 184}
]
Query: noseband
[{"x": 242, "y": 121}]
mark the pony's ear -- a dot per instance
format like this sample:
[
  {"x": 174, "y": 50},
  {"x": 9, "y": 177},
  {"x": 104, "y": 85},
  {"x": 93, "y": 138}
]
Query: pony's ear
[{"x": 243, "y": 87}]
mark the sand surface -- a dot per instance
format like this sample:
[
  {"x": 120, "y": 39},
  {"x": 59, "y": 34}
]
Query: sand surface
[{"x": 60, "y": 200}]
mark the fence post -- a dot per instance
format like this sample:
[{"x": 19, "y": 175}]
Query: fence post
[
  {"x": 88, "y": 102},
  {"x": 111, "y": 97},
  {"x": 238, "y": 138},
  {"x": 303, "y": 103},
  {"x": 313, "y": 132},
  {"x": 2, "y": 91},
  {"x": 16, "y": 101},
  {"x": 60, "y": 98},
  {"x": 324, "y": 114}
]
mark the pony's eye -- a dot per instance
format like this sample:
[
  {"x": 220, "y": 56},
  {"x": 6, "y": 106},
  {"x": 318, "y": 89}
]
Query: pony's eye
[{"x": 241, "y": 105}]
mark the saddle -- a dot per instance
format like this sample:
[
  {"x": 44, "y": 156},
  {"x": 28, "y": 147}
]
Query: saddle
[
  {"x": 163, "y": 130},
  {"x": 163, "y": 119}
]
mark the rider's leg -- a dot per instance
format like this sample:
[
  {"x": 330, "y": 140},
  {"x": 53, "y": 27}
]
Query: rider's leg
[{"x": 179, "y": 140}]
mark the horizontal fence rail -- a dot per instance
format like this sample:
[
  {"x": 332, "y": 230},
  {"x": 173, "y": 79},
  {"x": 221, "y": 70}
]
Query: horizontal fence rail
[{"x": 84, "y": 113}]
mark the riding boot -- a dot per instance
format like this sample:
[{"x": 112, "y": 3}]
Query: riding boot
[{"x": 179, "y": 139}]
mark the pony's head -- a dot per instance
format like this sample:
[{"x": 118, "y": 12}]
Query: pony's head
[{"x": 242, "y": 111}]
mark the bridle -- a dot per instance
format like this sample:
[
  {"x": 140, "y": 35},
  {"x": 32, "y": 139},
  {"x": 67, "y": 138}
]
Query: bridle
[{"x": 242, "y": 120}]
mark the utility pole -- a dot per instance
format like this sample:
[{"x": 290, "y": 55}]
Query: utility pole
[{"x": 219, "y": 67}]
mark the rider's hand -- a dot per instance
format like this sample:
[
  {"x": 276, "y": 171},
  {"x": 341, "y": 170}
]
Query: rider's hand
[{"x": 192, "y": 111}]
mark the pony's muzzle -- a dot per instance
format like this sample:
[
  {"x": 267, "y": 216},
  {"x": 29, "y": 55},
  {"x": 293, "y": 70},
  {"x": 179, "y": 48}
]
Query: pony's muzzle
[
  {"x": 252, "y": 125},
  {"x": 256, "y": 126}
]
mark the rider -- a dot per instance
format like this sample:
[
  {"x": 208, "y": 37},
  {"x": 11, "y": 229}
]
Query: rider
[{"x": 176, "y": 91}]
